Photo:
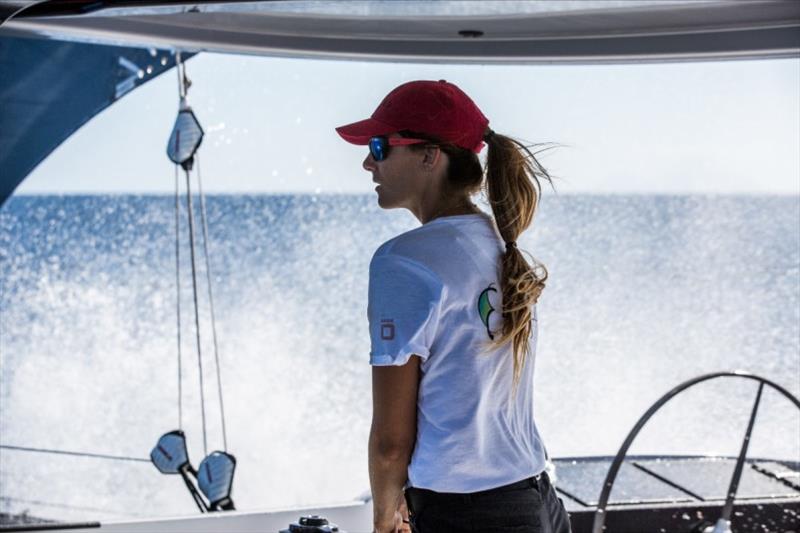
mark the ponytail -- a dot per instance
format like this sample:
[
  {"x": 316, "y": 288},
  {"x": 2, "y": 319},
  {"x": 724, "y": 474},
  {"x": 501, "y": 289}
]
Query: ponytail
[
  {"x": 513, "y": 190},
  {"x": 512, "y": 186}
]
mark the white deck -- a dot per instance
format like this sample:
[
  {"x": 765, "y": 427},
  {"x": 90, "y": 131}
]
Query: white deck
[{"x": 350, "y": 517}]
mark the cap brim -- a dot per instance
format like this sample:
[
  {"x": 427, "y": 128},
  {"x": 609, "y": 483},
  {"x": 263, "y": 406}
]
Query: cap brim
[{"x": 362, "y": 131}]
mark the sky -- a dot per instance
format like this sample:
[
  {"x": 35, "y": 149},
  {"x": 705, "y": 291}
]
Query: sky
[{"x": 671, "y": 128}]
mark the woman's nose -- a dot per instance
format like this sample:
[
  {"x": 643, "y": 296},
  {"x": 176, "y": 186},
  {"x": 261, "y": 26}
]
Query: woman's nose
[{"x": 369, "y": 163}]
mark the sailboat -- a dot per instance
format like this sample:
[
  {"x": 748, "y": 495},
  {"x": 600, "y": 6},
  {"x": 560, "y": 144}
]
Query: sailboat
[{"x": 114, "y": 47}]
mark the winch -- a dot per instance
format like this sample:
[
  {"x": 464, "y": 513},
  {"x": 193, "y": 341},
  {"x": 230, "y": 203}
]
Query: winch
[{"x": 312, "y": 524}]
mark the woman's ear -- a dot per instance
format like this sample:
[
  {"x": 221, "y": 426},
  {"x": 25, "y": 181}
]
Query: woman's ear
[{"x": 432, "y": 157}]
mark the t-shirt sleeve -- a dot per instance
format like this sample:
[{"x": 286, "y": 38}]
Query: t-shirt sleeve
[{"x": 403, "y": 310}]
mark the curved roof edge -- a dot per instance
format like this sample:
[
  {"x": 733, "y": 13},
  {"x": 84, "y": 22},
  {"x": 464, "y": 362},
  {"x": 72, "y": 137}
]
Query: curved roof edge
[{"x": 667, "y": 31}]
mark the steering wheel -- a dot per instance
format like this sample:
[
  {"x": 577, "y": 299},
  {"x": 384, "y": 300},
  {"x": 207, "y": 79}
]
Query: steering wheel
[{"x": 723, "y": 524}]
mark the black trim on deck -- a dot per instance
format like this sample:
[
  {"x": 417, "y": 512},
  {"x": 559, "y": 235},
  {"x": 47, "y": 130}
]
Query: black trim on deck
[{"x": 51, "y": 527}]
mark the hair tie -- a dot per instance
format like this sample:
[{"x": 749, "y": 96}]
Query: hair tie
[
  {"x": 488, "y": 135},
  {"x": 510, "y": 245}
]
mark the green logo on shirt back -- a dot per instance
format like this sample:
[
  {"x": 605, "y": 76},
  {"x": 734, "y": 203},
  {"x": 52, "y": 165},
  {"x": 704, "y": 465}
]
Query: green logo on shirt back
[{"x": 485, "y": 308}]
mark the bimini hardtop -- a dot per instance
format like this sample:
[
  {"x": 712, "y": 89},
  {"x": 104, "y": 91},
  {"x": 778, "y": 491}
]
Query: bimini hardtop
[
  {"x": 37, "y": 115},
  {"x": 99, "y": 51}
]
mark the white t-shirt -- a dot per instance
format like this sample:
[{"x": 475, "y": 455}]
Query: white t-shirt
[{"x": 434, "y": 291}]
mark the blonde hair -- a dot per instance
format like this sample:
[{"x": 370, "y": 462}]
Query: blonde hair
[
  {"x": 511, "y": 181},
  {"x": 513, "y": 189}
]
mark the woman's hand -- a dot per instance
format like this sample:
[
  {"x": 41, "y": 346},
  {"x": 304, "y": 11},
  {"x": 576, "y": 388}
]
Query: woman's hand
[
  {"x": 393, "y": 524},
  {"x": 403, "y": 510},
  {"x": 396, "y": 524}
]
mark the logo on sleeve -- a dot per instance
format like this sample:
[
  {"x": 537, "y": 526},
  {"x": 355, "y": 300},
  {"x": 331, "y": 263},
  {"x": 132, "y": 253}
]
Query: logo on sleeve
[
  {"x": 485, "y": 308},
  {"x": 387, "y": 329}
]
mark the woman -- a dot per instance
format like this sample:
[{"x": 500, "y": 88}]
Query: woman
[{"x": 453, "y": 323}]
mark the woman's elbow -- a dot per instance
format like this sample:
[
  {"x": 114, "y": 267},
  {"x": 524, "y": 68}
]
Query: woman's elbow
[{"x": 390, "y": 447}]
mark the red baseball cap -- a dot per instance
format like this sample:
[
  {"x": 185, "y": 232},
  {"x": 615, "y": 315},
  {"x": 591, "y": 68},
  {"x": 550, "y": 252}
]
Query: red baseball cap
[{"x": 438, "y": 108}]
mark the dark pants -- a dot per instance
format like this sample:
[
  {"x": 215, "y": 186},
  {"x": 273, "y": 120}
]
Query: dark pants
[{"x": 528, "y": 506}]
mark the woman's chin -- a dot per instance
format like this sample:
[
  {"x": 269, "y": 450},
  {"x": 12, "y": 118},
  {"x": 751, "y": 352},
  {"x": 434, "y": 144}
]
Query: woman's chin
[
  {"x": 386, "y": 200},
  {"x": 383, "y": 201}
]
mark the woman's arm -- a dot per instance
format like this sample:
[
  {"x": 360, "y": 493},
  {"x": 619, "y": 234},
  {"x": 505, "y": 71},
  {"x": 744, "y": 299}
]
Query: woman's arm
[{"x": 392, "y": 437}]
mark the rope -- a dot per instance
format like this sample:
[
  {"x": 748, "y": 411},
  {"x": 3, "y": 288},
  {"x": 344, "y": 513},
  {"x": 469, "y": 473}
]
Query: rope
[
  {"x": 196, "y": 311},
  {"x": 78, "y": 454},
  {"x": 211, "y": 301},
  {"x": 48, "y": 524},
  {"x": 183, "y": 88},
  {"x": 178, "y": 296}
]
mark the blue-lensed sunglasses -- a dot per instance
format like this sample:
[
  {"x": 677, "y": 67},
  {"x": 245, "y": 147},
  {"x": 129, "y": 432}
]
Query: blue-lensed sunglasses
[{"x": 379, "y": 146}]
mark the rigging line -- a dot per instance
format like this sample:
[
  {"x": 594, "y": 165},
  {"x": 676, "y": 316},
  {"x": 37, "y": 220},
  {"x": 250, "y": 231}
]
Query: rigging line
[
  {"x": 178, "y": 295},
  {"x": 66, "y": 506},
  {"x": 196, "y": 310},
  {"x": 183, "y": 87},
  {"x": 211, "y": 301},
  {"x": 78, "y": 454}
]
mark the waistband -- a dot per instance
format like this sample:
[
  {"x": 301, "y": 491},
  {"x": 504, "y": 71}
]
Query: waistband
[{"x": 418, "y": 498}]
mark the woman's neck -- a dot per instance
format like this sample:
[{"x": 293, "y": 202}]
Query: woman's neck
[{"x": 459, "y": 206}]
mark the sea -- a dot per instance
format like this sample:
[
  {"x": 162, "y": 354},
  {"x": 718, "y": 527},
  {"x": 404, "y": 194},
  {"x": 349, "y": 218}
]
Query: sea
[{"x": 643, "y": 293}]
